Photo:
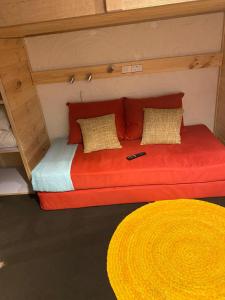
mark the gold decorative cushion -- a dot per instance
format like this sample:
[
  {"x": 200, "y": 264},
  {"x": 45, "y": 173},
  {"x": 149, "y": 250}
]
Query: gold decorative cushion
[
  {"x": 99, "y": 133},
  {"x": 162, "y": 126}
]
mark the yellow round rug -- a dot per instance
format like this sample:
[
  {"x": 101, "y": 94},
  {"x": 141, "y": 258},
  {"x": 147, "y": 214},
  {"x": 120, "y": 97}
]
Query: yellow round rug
[{"x": 169, "y": 250}]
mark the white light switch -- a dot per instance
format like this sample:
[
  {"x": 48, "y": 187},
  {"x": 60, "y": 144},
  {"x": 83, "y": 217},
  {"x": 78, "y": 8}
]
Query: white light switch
[
  {"x": 137, "y": 68},
  {"x": 126, "y": 69}
]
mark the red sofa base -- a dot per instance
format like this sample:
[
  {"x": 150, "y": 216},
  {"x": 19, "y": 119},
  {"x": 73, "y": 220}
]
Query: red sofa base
[{"x": 130, "y": 194}]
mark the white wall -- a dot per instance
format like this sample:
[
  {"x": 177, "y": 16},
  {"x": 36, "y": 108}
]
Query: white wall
[{"x": 190, "y": 35}]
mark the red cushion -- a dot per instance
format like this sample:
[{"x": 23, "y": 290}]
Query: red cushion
[
  {"x": 135, "y": 115},
  {"x": 91, "y": 110}
]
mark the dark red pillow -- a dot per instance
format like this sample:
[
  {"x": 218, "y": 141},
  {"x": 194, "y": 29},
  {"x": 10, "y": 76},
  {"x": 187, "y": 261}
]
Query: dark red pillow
[
  {"x": 86, "y": 110},
  {"x": 134, "y": 114}
]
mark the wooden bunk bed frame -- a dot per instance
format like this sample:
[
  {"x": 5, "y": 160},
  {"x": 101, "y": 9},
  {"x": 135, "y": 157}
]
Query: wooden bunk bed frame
[{"x": 17, "y": 80}]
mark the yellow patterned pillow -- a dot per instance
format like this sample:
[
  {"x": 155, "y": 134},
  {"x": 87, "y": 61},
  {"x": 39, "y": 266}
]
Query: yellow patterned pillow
[
  {"x": 162, "y": 126},
  {"x": 99, "y": 133}
]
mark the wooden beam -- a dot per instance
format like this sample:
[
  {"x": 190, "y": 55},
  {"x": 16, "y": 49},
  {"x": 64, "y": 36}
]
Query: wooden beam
[
  {"x": 219, "y": 124},
  {"x": 114, "y": 18},
  {"x": 169, "y": 64},
  {"x": 22, "y": 104}
]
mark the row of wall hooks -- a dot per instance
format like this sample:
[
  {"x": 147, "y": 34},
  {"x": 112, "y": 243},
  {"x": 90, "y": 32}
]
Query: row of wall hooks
[
  {"x": 89, "y": 76},
  {"x": 147, "y": 66}
]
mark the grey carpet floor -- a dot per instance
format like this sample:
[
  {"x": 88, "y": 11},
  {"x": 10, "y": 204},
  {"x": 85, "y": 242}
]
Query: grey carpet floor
[{"x": 57, "y": 255}]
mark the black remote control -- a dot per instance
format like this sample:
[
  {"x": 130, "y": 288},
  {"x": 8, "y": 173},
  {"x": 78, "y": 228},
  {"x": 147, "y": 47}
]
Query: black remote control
[{"x": 130, "y": 157}]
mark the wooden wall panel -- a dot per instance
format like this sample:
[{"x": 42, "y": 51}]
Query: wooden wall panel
[
  {"x": 22, "y": 103},
  {"x": 14, "y": 12},
  {"x": 112, "y": 5}
]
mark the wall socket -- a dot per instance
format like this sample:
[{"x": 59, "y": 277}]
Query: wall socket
[{"x": 132, "y": 69}]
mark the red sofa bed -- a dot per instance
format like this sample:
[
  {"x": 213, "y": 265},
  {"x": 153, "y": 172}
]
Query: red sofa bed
[{"x": 193, "y": 169}]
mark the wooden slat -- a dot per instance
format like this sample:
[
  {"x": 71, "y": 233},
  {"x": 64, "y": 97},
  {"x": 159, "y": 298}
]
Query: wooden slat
[
  {"x": 21, "y": 12},
  {"x": 114, "y": 18},
  {"x": 169, "y": 64},
  {"x": 23, "y": 106},
  {"x": 8, "y": 160},
  {"x": 9, "y": 149}
]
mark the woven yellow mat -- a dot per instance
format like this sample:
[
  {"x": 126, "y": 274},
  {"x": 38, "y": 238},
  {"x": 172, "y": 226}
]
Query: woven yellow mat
[{"x": 169, "y": 250}]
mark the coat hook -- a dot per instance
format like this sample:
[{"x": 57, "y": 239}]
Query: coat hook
[
  {"x": 110, "y": 69},
  {"x": 89, "y": 77},
  {"x": 72, "y": 79}
]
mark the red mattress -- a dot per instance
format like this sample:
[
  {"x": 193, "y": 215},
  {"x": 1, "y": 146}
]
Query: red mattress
[
  {"x": 193, "y": 169},
  {"x": 199, "y": 158}
]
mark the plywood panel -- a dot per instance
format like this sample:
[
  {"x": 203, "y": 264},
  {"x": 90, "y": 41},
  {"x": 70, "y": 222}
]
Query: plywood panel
[
  {"x": 22, "y": 105},
  {"x": 113, "y": 5},
  {"x": 13, "y": 12},
  {"x": 114, "y": 18}
]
